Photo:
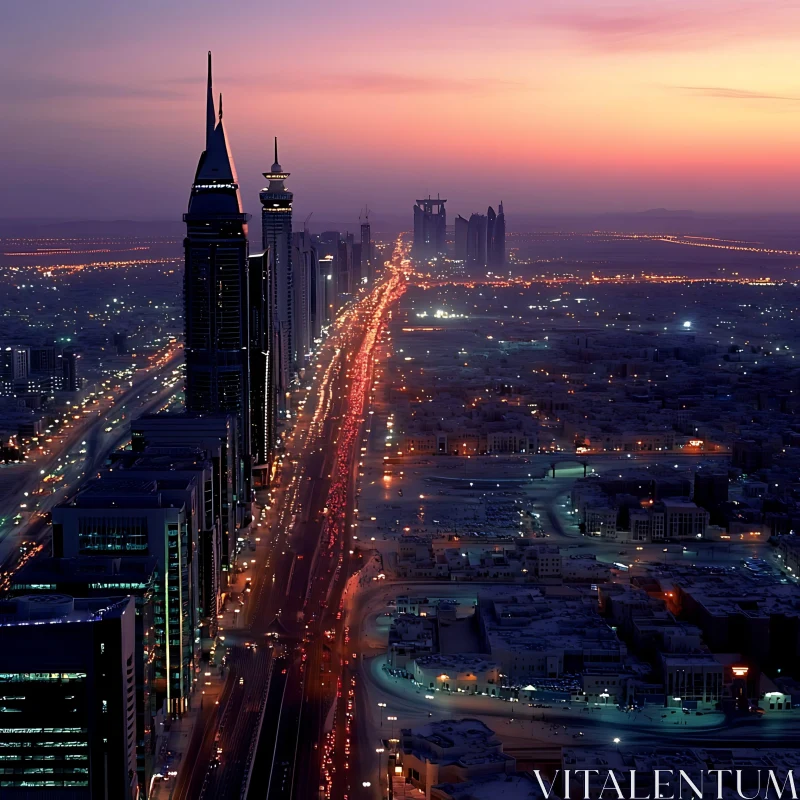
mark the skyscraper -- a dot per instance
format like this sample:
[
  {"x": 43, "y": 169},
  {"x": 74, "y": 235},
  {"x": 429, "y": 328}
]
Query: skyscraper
[
  {"x": 216, "y": 286},
  {"x": 461, "y": 233},
  {"x": 476, "y": 240},
  {"x": 263, "y": 398},
  {"x": 430, "y": 220},
  {"x": 497, "y": 241},
  {"x": 276, "y": 235},
  {"x": 306, "y": 268},
  {"x": 367, "y": 265},
  {"x": 68, "y": 679}
]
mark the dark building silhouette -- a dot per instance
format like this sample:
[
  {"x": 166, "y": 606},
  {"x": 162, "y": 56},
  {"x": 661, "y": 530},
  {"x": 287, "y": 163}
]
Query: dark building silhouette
[
  {"x": 70, "y": 380},
  {"x": 481, "y": 241},
  {"x": 461, "y": 236},
  {"x": 430, "y": 220},
  {"x": 477, "y": 240},
  {"x": 263, "y": 389},
  {"x": 497, "y": 240},
  {"x": 367, "y": 258},
  {"x": 276, "y": 236},
  {"x": 216, "y": 304}
]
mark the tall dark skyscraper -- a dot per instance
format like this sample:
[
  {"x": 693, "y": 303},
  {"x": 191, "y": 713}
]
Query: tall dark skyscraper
[
  {"x": 216, "y": 286},
  {"x": 276, "y": 235},
  {"x": 367, "y": 259},
  {"x": 461, "y": 234},
  {"x": 263, "y": 399},
  {"x": 477, "y": 240},
  {"x": 497, "y": 241},
  {"x": 430, "y": 220}
]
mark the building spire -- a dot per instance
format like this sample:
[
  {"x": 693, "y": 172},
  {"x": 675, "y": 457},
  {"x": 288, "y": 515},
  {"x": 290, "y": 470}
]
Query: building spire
[
  {"x": 210, "y": 115},
  {"x": 276, "y": 149},
  {"x": 220, "y": 106}
]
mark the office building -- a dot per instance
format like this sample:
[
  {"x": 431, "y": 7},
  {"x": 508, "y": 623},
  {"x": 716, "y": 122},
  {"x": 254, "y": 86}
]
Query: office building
[
  {"x": 125, "y": 517},
  {"x": 329, "y": 286},
  {"x": 70, "y": 379},
  {"x": 276, "y": 236},
  {"x": 217, "y": 435},
  {"x": 461, "y": 236},
  {"x": 263, "y": 387},
  {"x": 477, "y": 232},
  {"x": 367, "y": 256},
  {"x": 430, "y": 220},
  {"x": 216, "y": 287},
  {"x": 67, "y": 670},
  {"x": 497, "y": 240},
  {"x": 305, "y": 268},
  {"x": 105, "y": 576}
]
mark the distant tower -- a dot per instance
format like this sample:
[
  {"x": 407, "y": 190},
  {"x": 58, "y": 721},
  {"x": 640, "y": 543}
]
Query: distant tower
[
  {"x": 215, "y": 288},
  {"x": 367, "y": 266},
  {"x": 276, "y": 235},
  {"x": 461, "y": 228},
  {"x": 430, "y": 220},
  {"x": 491, "y": 217},
  {"x": 476, "y": 240},
  {"x": 263, "y": 411},
  {"x": 497, "y": 255}
]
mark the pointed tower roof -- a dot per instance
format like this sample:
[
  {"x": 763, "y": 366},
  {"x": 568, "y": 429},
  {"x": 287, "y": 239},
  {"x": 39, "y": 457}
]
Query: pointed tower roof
[
  {"x": 216, "y": 187},
  {"x": 211, "y": 117}
]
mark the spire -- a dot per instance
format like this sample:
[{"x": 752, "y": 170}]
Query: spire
[
  {"x": 220, "y": 106},
  {"x": 210, "y": 115}
]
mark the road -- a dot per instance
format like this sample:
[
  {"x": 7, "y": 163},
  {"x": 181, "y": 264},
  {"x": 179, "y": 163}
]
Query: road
[
  {"x": 271, "y": 723},
  {"x": 76, "y": 453}
]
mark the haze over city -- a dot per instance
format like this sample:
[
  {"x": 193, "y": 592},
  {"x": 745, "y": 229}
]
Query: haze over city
[{"x": 583, "y": 105}]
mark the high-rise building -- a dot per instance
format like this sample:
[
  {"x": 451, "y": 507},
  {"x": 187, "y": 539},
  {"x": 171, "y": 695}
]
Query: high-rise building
[
  {"x": 430, "y": 221},
  {"x": 216, "y": 313},
  {"x": 134, "y": 516},
  {"x": 276, "y": 236},
  {"x": 217, "y": 435},
  {"x": 477, "y": 240},
  {"x": 263, "y": 388},
  {"x": 461, "y": 234},
  {"x": 496, "y": 248},
  {"x": 305, "y": 264},
  {"x": 99, "y": 577},
  {"x": 330, "y": 291},
  {"x": 367, "y": 256},
  {"x": 70, "y": 379},
  {"x": 68, "y": 679}
]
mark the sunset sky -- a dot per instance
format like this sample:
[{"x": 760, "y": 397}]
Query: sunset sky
[{"x": 549, "y": 105}]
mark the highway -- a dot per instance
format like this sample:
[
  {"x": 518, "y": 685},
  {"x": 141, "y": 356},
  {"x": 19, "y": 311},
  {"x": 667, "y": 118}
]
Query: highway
[
  {"x": 267, "y": 737},
  {"x": 74, "y": 454}
]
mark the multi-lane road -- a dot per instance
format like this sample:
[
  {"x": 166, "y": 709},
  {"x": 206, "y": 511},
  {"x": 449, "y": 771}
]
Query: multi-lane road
[
  {"x": 73, "y": 455},
  {"x": 267, "y": 737}
]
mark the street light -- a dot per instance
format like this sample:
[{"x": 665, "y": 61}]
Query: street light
[{"x": 381, "y": 705}]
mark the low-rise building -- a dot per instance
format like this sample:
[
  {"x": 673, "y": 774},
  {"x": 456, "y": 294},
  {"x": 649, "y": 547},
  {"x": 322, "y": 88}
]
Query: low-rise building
[{"x": 451, "y": 751}]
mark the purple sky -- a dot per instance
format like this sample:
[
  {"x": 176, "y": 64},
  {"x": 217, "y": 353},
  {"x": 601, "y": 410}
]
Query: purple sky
[{"x": 549, "y": 105}]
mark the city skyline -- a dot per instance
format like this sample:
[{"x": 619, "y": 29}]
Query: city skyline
[
  {"x": 423, "y": 506},
  {"x": 582, "y": 107}
]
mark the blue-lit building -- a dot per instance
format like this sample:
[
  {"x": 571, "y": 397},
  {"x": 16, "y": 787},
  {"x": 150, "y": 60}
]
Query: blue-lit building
[{"x": 68, "y": 680}]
